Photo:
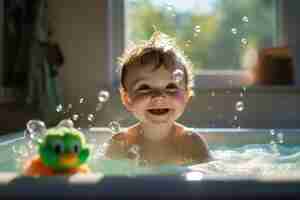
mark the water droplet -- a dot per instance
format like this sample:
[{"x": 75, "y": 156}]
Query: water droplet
[
  {"x": 244, "y": 41},
  {"x": 188, "y": 43},
  {"x": 245, "y": 19},
  {"x": 135, "y": 149},
  {"x": 272, "y": 132},
  {"x": 70, "y": 106},
  {"x": 280, "y": 137},
  {"x": 213, "y": 94},
  {"x": 197, "y": 29},
  {"x": 81, "y": 100},
  {"x": 244, "y": 89},
  {"x": 114, "y": 126},
  {"x": 178, "y": 75},
  {"x": 59, "y": 108},
  {"x": 241, "y": 94},
  {"x": 91, "y": 117},
  {"x": 99, "y": 106},
  {"x": 239, "y": 106},
  {"x": 103, "y": 96},
  {"x": 68, "y": 123},
  {"x": 234, "y": 31},
  {"x": 75, "y": 117},
  {"x": 169, "y": 7}
]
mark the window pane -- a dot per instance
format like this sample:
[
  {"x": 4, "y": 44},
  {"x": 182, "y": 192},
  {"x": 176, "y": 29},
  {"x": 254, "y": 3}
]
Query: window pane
[{"x": 215, "y": 34}]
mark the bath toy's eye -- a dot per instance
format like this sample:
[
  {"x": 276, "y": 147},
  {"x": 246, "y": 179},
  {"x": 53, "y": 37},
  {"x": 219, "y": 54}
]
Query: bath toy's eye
[
  {"x": 58, "y": 147},
  {"x": 75, "y": 147}
]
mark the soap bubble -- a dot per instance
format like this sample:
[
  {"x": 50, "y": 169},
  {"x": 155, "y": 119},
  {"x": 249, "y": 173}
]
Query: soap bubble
[
  {"x": 178, "y": 75},
  {"x": 103, "y": 96},
  {"x": 35, "y": 129},
  {"x": 68, "y": 123},
  {"x": 114, "y": 126},
  {"x": 239, "y": 106},
  {"x": 59, "y": 108},
  {"x": 234, "y": 31}
]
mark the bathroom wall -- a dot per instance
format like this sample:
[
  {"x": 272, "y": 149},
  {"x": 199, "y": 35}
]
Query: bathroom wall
[{"x": 79, "y": 28}]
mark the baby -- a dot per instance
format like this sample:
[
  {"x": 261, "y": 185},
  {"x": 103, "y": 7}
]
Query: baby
[{"x": 156, "y": 85}]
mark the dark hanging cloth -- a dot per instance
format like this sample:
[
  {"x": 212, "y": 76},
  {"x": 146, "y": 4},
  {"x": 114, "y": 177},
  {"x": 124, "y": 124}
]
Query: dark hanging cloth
[{"x": 19, "y": 20}]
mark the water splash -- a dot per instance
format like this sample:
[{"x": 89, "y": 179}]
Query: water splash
[
  {"x": 68, "y": 123},
  {"x": 35, "y": 130}
]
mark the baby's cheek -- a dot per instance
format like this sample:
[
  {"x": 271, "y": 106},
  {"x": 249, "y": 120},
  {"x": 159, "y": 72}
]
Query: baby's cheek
[
  {"x": 139, "y": 99},
  {"x": 179, "y": 96}
]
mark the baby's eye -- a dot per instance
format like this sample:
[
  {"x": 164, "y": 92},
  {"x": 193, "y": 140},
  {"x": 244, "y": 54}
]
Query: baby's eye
[
  {"x": 143, "y": 88},
  {"x": 172, "y": 87}
]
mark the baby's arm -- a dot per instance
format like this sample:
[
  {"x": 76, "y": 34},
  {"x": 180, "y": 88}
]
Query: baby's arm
[
  {"x": 116, "y": 148},
  {"x": 197, "y": 148}
]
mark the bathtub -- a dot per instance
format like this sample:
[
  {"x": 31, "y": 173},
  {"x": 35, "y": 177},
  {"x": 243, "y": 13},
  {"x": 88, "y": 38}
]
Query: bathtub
[{"x": 98, "y": 186}]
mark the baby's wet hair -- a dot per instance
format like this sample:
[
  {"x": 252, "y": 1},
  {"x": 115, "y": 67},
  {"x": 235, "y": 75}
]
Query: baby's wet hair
[{"x": 159, "y": 50}]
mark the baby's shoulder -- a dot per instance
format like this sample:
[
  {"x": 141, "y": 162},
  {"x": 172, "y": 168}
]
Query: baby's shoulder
[
  {"x": 128, "y": 136},
  {"x": 192, "y": 136},
  {"x": 194, "y": 145}
]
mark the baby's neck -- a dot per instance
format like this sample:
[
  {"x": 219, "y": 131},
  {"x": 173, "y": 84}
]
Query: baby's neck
[{"x": 156, "y": 133}]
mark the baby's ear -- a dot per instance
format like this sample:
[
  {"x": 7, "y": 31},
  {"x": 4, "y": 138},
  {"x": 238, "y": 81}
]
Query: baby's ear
[
  {"x": 190, "y": 93},
  {"x": 125, "y": 98}
]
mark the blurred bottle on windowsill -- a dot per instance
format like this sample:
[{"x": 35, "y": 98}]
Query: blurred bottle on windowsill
[{"x": 273, "y": 67}]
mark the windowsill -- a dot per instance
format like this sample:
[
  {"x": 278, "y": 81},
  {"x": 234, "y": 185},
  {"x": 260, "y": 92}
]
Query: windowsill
[
  {"x": 235, "y": 81},
  {"x": 209, "y": 79}
]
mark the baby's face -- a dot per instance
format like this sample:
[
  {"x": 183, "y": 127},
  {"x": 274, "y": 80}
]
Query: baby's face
[{"x": 153, "y": 95}]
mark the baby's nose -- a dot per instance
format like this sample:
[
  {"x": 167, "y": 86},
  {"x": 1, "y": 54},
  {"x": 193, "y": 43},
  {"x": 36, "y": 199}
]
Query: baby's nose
[{"x": 158, "y": 94}]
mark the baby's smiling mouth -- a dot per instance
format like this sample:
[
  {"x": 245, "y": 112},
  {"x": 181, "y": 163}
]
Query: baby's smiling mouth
[{"x": 159, "y": 111}]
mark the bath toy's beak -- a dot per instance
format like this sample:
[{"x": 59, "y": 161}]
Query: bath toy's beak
[{"x": 69, "y": 159}]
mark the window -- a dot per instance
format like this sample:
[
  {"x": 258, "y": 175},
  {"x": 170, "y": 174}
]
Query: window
[{"x": 217, "y": 35}]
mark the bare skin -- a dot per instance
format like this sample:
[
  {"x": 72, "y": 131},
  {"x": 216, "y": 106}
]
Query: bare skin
[{"x": 157, "y": 101}]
